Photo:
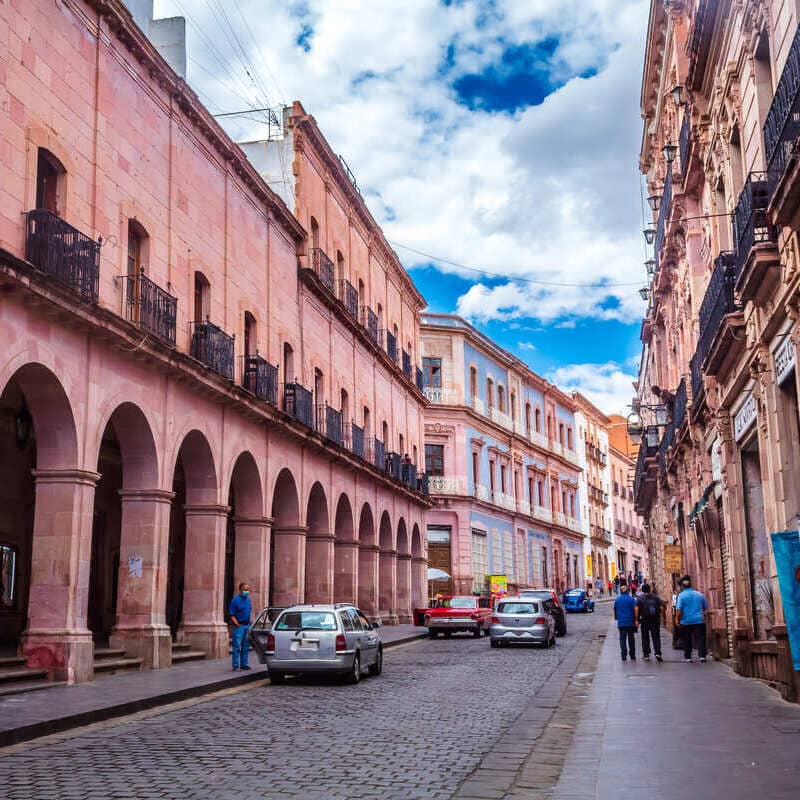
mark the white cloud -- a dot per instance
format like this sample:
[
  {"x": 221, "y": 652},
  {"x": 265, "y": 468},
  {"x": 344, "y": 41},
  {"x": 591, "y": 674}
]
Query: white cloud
[
  {"x": 549, "y": 193},
  {"x": 607, "y": 385}
]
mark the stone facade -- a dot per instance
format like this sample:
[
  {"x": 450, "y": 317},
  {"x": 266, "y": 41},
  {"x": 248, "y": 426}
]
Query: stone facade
[
  {"x": 187, "y": 404},
  {"x": 720, "y": 334},
  {"x": 501, "y": 458}
]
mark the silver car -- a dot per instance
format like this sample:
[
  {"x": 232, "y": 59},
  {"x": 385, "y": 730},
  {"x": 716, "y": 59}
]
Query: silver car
[
  {"x": 310, "y": 639},
  {"x": 522, "y": 619}
]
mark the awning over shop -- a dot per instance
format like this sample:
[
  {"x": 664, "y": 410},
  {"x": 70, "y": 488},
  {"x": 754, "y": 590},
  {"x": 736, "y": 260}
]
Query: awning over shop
[{"x": 701, "y": 505}]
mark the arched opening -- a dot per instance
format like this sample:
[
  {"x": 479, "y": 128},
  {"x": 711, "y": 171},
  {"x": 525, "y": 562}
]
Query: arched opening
[
  {"x": 250, "y": 335},
  {"x": 202, "y": 298},
  {"x": 403, "y": 574},
  {"x": 419, "y": 575},
  {"x": 319, "y": 549},
  {"x": 50, "y": 175},
  {"x": 288, "y": 548},
  {"x": 387, "y": 579},
  {"x": 345, "y": 577},
  {"x": 314, "y": 233},
  {"x": 367, "y": 563}
]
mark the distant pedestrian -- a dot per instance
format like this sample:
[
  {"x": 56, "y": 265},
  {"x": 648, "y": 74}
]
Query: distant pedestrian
[
  {"x": 690, "y": 614},
  {"x": 599, "y": 586},
  {"x": 240, "y": 612},
  {"x": 652, "y": 612},
  {"x": 616, "y": 584},
  {"x": 626, "y": 615}
]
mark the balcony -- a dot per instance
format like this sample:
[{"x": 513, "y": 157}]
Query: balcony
[
  {"x": 348, "y": 294},
  {"x": 407, "y": 371},
  {"x": 323, "y": 267},
  {"x": 213, "y": 347},
  {"x": 408, "y": 474},
  {"x": 684, "y": 143},
  {"x": 574, "y": 524},
  {"x": 481, "y": 492},
  {"x": 717, "y": 333},
  {"x": 377, "y": 452},
  {"x": 298, "y": 403},
  {"x": 63, "y": 253},
  {"x": 756, "y": 239},
  {"x": 559, "y": 518},
  {"x": 501, "y": 418},
  {"x": 391, "y": 346},
  {"x": 439, "y": 395},
  {"x": 478, "y": 406},
  {"x": 505, "y": 501},
  {"x": 542, "y": 513},
  {"x": 663, "y": 216},
  {"x": 679, "y": 405},
  {"x": 394, "y": 465},
  {"x": 781, "y": 131},
  {"x": 329, "y": 424},
  {"x": 369, "y": 320},
  {"x": 354, "y": 436},
  {"x": 539, "y": 439},
  {"x": 261, "y": 378},
  {"x": 698, "y": 386},
  {"x": 644, "y": 482},
  {"x": 524, "y": 507},
  {"x": 419, "y": 379},
  {"x": 151, "y": 308},
  {"x": 441, "y": 484}
]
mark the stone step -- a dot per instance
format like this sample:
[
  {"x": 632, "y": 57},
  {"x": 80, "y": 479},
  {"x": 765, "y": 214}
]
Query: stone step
[
  {"x": 117, "y": 664},
  {"x": 17, "y": 674},
  {"x": 181, "y": 647},
  {"x": 187, "y": 655},
  {"x": 101, "y": 653},
  {"x": 12, "y": 661},
  {"x": 21, "y": 687}
]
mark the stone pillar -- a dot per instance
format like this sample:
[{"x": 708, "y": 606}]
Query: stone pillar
[
  {"x": 203, "y": 623},
  {"x": 141, "y": 626},
  {"x": 404, "y": 588},
  {"x": 320, "y": 557},
  {"x": 368, "y": 579},
  {"x": 345, "y": 578},
  {"x": 387, "y": 587},
  {"x": 289, "y": 565},
  {"x": 57, "y": 637},
  {"x": 251, "y": 558},
  {"x": 419, "y": 582}
]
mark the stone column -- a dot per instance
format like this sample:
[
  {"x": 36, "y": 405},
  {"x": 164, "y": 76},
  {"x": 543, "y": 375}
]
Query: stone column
[
  {"x": 251, "y": 559},
  {"x": 345, "y": 578},
  {"x": 57, "y": 637},
  {"x": 404, "y": 588},
  {"x": 141, "y": 626},
  {"x": 203, "y": 623},
  {"x": 368, "y": 579},
  {"x": 289, "y": 565},
  {"x": 387, "y": 587},
  {"x": 419, "y": 582},
  {"x": 320, "y": 557}
]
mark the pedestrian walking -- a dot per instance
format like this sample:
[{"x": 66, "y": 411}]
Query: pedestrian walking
[
  {"x": 690, "y": 614},
  {"x": 240, "y": 612},
  {"x": 610, "y": 587},
  {"x": 599, "y": 586},
  {"x": 626, "y": 614},
  {"x": 616, "y": 584},
  {"x": 652, "y": 612}
]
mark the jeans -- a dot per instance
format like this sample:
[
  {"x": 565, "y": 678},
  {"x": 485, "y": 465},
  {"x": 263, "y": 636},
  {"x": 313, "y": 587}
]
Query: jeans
[
  {"x": 694, "y": 636},
  {"x": 627, "y": 641},
  {"x": 651, "y": 630},
  {"x": 240, "y": 646}
]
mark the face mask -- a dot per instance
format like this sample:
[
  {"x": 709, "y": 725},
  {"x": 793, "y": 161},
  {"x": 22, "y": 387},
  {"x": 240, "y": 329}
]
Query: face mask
[{"x": 245, "y": 592}]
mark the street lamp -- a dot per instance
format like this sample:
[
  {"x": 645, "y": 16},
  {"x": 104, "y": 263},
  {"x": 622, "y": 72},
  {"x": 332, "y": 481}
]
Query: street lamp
[
  {"x": 669, "y": 151},
  {"x": 650, "y": 266},
  {"x": 677, "y": 95},
  {"x": 651, "y": 436},
  {"x": 634, "y": 426},
  {"x": 649, "y": 235},
  {"x": 654, "y": 201},
  {"x": 644, "y": 293}
]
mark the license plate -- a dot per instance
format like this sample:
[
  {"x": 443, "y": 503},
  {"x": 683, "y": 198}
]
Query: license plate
[{"x": 307, "y": 645}]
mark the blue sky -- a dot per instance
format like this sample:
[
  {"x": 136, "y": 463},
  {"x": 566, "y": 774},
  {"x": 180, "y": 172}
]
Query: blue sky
[{"x": 495, "y": 134}]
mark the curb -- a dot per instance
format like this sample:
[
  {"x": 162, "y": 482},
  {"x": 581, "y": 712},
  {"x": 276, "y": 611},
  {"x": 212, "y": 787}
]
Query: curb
[{"x": 36, "y": 730}]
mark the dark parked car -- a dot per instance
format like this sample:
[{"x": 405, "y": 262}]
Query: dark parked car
[{"x": 551, "y": 605}]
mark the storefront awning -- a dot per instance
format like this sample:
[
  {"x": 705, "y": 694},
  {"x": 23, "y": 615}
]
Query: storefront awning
[{"x": 701, "y": 505}]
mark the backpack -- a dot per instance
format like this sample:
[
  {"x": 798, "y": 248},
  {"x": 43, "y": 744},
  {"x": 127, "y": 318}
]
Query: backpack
[{"x": 651, "y": 607}]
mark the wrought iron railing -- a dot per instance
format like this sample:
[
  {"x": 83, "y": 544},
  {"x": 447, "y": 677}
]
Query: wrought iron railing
[
  {"x": 261, "y": 378},
  {"x": 391, "y": 346},
  {"x": 750, "y": 222},
  {"x": 355, "y": 438},
  {"x": 369, "y": 319},
  {"x": 645, "y": 452},
  {"x": 211, "y": 345},
  {"x": 663, "y": 216},
  {"x": 408, "y": 475},
  {"x": 679, "y": 405},
  {"x": 696, "y": 374},
  {"x": 329, "y": 423},
  {"x": 298, "y": 402},
  {"x": 348, "y": 294},
  {"x": 150, "y": 307},
  {"x": 378, "y": 452},
  {"x": 63, "y": 252},
  {"x": 394, "y": 465},
  {"x": 323, "y": 266},
  {"x": 423, "y": 484},
  {"x": 420, "y": 379},
  {"x": 407, "y": 365},
  {"x": 684, "y": 142},
  {"x": 717, "y": 302},
  {"x": 782, "y": 125}
]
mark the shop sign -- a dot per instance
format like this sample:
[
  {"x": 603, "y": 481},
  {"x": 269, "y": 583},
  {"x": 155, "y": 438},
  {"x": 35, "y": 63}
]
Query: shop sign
[
  {"x": 786, "y": 547},
  {"x": 588, "y": 566},
  {"x": 784, "y": 357},
  {"x": 673, "y": 558},
  {"x": 745, "y": 417},
  {"x": 498, "y": 584},
  {"x": 613, "y": 566}
]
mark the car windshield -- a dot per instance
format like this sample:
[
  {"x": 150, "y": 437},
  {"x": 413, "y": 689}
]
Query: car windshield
[
  {"x": 458, "y": 602},
  {"x": 314, "y": 620},
  {"x": 517, "y": 608}
]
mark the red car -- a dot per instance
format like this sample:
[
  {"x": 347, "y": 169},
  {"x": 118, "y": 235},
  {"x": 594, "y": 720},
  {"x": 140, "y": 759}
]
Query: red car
[{"x": 459, "y": 613}]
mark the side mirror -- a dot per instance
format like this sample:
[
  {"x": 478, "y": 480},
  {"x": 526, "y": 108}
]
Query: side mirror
[{"x": 377, "y": 624}]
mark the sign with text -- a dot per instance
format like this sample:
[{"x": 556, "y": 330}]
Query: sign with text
[
  {"x": 786, "y": 547},
  {"x": 673, "y": 558}
]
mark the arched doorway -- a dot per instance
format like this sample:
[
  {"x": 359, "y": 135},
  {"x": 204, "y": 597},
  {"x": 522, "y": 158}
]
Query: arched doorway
[
  {"x": 387, "y": 576},
  {"x": 345, "y": 557},
  {"x": 319, "y": 577},
  {"x": 368, "y": 562},
  {"x": 403, "y": 575},
  {"x": 288, "y": 548},
  {"x": 419, "y": 570}
]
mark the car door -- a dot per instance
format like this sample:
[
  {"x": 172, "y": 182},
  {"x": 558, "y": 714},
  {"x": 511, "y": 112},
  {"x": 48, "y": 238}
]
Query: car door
[
  {"x": 258, "y": 633},
  {"x": 371, "y": 642},
  {"x": 356, "y": 635}
]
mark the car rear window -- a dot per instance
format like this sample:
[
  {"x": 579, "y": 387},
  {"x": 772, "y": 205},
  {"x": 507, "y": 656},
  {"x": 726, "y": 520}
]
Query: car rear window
[
  {"x": 574, "y": 593},
  {"x": 458, "y": 602},
  {"x": 517, "y": 608},
  {"x": 313, "y": 620}
]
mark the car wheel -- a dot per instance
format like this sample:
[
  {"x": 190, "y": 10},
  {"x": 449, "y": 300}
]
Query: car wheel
[
  {"x": 552, "y": 642},
  {"x": 354, "y": 676},
  {"x": 433, "y": 635},
  {"x": 477, "y": 633},
  {"x": 276, "y": 677},
  {"x": 377, "y": 667}
]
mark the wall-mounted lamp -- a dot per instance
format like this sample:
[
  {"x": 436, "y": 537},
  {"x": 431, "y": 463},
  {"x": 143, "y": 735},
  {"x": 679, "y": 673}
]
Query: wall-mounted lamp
[
  {"x": 649, "y": 235},
  {"x": 654, "y": 201},
  {"x": 644, "y": 293},
  {"x": 650, "y": 266},
  {"x": 669, "y": 151},
  {"x": 678, "y": 96}
]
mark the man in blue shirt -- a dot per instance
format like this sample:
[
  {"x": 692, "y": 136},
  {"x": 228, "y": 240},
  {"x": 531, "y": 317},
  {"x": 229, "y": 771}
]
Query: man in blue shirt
[
  {"x": 627, "y": 616},
  {"x": 240, "y": 611},
  {"x": 690, "y": 614}
]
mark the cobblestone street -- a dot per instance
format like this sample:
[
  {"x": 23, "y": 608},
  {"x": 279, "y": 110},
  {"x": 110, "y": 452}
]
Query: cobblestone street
[{"x": 418, "y": 731}]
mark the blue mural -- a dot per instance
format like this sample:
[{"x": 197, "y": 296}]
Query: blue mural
[{"x": 786, "y": 547}]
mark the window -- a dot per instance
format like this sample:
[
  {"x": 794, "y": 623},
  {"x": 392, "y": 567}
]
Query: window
[
  {"x": 250, "y": 335},
  {"x": 380, "y": 318},
  {"x": 8, "y": 576},
  {"x": 313, "y": 620},
  {"x": 480, "y": 560},
  {"x": 549, "y": 427},
  {"x": 545, "y": 576},
  {"x": 489, "y": 393},
  {"x": 365, "y": 418},
  {"x": 345, "y": 406},
  {"x": 434, "y": 459},
  {"x": 136, "y": 241},
  {"x": 319, "y": 387},
  {"x": 347, "y": 620},
  {"x": 401, "y": 443},
  {"x": 541, "y": 492},
  {"x": 528, "y": 419},
  {"x": 362, "y": 293},
  {"x": 202, "y": 297},
  {"x": 503, "y": 478},
  {"x": 385, "y": 433},
  {"x": 491, "y": 474},
  {"x": 49, "y": 181},
  {"x": 501, "y": 399},
  {"x": 473, "y": 382},
  {"x": 339, "y": 266},
  {"x": 512, "y": 406},
  {"x": 475, "y": 468},
  {"x": 563, "y": 500},
  {"x": 561, "y": 433},
  {"x": 538, "y": 421},
  {"x": 531, "y": 497},
  {"x": 569, "y": 438},
  {"x": 288, "y": 363},
  {"x": 432, "y": 371},
  {"x": 314, "y": 233}
]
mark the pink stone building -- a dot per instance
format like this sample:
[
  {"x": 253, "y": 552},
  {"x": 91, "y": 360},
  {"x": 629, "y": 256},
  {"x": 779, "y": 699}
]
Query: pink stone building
[
  {"x": 500, "y": 457},
  {"x": 189, "y": 397}
]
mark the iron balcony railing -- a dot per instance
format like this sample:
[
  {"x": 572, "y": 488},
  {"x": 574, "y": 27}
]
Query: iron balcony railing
[
  {"x": 261, "y": 378},
  {"x": 696, "y": 375},
  {"x": 298, "y": 402},
  {"x": 63, "y": 252},
  {"x": 394, "y": 465},
  {"x": 679, "y": 405},
  {"x": 150, "y": 307},
  {"x": 211, "y": 345},
  {"x": 348, "y": 294},
  {"x": 378, "y": 452},
  {"x": 329, "y": 423},
  {"x": 407, "y": 365},
  {"x": 369, "y": 319},
  {"x": 323, "y": 266},
  {"x": 663, "y": 216},
  {"x": 683, "y": 142},
  {"x": 750, "y": 222},
  {"x": 423, "y": 483},
  {"x": 645, "y": 452},
  {"x": 717, "y": 302},
  {"x": 420, "y": 379},
  {"x": 355, "y": 438},
  {"x": 391, "y": 346},
  {"x": 782, "y": 125},
  {"x": 408, "y": 475}
]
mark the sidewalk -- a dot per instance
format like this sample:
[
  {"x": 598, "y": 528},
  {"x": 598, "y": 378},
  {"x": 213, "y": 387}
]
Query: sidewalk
[
  {"x": 30, "y": 715},
  {"x": 680, "y": 731}
]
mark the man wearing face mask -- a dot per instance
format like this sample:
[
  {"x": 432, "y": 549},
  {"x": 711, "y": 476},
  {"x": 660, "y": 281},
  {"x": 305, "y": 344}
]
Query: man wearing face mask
[{"x": 240, "y": 611}]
